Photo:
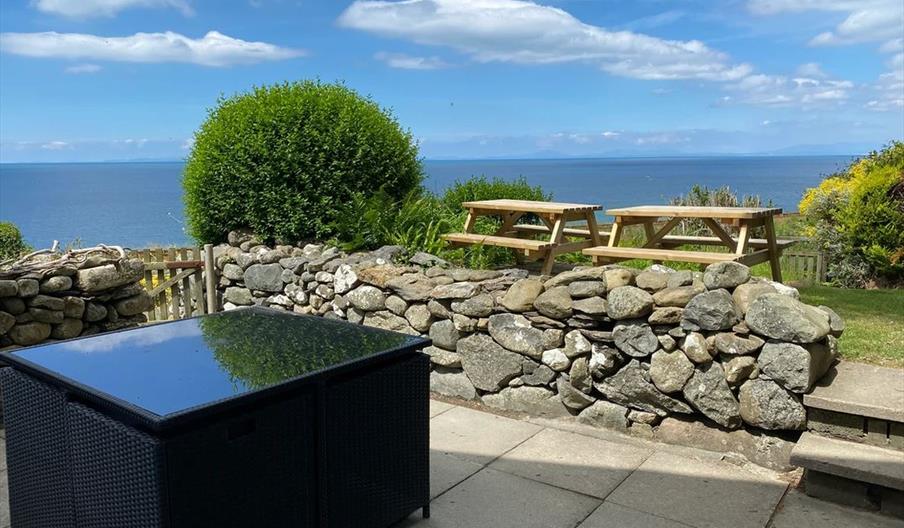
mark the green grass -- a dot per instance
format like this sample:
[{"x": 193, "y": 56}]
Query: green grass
[{"x": 874, "y": 319}]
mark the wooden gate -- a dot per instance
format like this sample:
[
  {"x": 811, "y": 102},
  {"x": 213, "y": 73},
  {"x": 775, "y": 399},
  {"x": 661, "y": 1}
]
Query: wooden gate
[
  {"x": 805, "y": 265},
  {"x": 175, "y": 278}
]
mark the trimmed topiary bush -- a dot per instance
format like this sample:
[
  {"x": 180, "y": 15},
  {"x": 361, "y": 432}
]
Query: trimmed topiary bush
[
  {"x": 285, "y": 159},
  {"x": 11, "y": 243}
]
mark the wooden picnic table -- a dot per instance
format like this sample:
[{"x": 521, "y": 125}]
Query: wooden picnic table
[
  {"x": 659, "y": 245},
  {"x": 511, "y": 235}
]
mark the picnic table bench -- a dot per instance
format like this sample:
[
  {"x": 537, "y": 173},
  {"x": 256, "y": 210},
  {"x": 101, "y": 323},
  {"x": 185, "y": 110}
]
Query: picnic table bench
[
  {"x": 659, "y": 245},
  {"x": 554, "y": 216}
]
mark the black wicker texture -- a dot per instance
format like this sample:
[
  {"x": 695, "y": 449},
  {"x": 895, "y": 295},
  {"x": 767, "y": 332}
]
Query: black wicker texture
[
  {"x": 257, "y": 469},
  {"x": 37, "y": 454},
  {"x": 377, "y": 445},
  {"x": 117, "y": 473}
]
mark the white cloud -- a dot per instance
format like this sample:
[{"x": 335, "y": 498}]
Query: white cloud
[
  {"x": 408, "y": 62},
  {"x": 82, "y": 68},
  {"x": 214, "y": 49},
  {"x": 811, "y": 69},
  {"x": 610, "y": 134},
  {"x": 866, "y": 21},
  {"x": 104, "y": 8},
  {"x": 779, "y": 90},
  {"x": 56, "y": 145},
  {"x": 890, "y": 87},
  {"x": 524, "y": 32}
]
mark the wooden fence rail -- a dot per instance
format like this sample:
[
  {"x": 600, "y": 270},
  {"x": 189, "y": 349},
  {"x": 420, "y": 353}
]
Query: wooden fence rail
[
  {"x": 174, "y": 278},
  {"x": 805, "y": 265}
]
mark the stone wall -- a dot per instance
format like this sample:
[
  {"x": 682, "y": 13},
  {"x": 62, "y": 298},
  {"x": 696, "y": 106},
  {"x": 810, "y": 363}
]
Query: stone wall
[
  {"x": 615, "y": 346},
  {"x": 60, "y": 296}
]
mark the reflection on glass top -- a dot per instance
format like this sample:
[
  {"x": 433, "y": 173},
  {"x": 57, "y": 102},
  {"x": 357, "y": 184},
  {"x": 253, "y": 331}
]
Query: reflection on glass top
[{"x": 171, "y": 367}]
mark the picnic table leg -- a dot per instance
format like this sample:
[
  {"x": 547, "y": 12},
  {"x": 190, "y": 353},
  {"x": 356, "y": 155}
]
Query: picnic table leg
[
  {"x": 470, "y": 221},
  {"x": 650, "y": 233},
  {"x": 594, "y": 229},
  {"x": 773, "y": 250},
  {"x": 555, "y": 238}
]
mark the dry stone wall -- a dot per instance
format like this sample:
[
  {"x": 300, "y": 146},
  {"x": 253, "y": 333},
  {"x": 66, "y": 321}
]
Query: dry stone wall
[
  {"x": 615, "y": 346},
  {"x": 56, "y": 296}
]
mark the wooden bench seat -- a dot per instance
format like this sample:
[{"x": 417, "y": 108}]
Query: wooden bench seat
[
  {"x": 569, "y": 231},
  {"x": 494, "y": 240},
  {"x": 681, "y": 240},
  {"x": 628, "y": 253}
]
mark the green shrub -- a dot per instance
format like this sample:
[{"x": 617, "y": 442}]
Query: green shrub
[
  {"x": 856, "y": 217},
  {"x": 480, "y": 188},
  {"x": 284, "y": 160},
  {"x": 703, "y": 196},
  {"x": 11, "y": 243}
]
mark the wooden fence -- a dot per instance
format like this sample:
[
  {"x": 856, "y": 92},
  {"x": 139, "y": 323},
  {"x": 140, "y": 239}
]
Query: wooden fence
[
  {"x": 175, "y": 278},
  {"x": 807, "y": 266}
]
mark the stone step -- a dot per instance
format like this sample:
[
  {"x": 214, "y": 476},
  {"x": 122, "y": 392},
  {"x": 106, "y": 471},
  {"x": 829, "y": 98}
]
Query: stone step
[
  {"x": 850, "y": 460},
  {"x": 860, "y": 390}
]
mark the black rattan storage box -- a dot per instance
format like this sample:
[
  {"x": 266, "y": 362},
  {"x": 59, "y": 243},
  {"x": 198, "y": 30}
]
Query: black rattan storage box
[{"x": 248, "y": 418}]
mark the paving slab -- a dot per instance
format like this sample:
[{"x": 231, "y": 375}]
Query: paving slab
[
  {"x": 437, "y": 407},
  {"x": 477, "y": 436},
  {"x": 701, "y": 493},
  {"x": 447, "y": 471},
  {"x": 610, "y": 515},
  {"x": 860, "y": 389},
  {"x": 800, "y": 511},
  {"x": 4, "y": 500},
  {"x": 493, "y": 499},
  {"x": 575, "y": 462},
  {"x": 866, "y": 463}
]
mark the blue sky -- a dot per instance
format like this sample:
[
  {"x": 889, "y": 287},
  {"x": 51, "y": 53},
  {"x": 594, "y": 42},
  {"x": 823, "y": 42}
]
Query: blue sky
[{"x": 84, "y": 80}]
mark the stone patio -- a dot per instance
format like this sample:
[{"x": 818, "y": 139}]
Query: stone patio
[{"x": 494, "y": 471}]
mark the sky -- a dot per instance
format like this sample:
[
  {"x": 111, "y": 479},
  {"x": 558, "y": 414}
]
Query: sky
[{"x": 99, "y": 80}]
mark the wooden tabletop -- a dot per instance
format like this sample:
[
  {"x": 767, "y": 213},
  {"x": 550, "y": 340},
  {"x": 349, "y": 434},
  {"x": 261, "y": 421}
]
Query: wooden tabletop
[
  {"x": 684, "y": 211},
  {"x": 530, "y": 206}
]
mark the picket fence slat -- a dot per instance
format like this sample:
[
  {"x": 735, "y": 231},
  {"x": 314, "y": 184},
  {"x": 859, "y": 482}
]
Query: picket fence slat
[{"x": 174, "y": 278}]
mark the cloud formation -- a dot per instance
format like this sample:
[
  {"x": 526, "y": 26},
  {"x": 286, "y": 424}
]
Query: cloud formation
[
  {"x": 214, "y": 49},
  {"x": 409, "y": 62},
  {"x": 524, "y": 32},
  {"x": 78, "y": 69},
  {"x": 779, "y": 90},
  {"x": 104, "y": 8}
]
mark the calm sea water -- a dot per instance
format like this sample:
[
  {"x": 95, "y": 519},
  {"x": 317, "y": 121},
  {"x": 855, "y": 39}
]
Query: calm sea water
[{"x": 137, "y": 204}]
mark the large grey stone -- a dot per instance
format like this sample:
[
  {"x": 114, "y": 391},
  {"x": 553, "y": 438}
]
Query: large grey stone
[
  {"x": 46, "y": 316},
  {"x": 29, "y": 333},
  {"x": 665, "y": 316},
  {"x": 46, "y": 302},
  {"x": 604, "y": 360},
  {"x": 617, "y": 277},
  {"x": 521, "y": 295},
  {"x": 669, "y": 371},
  {"x": 56, "y": 284},
  {"x": 787, "y": 319},
  {"x": 389, "y": 321},
  {"x": 630, "y": 387},
  {"x": 636, "y": 340},
  {"x": 233, "y": 272},
  {"x": 652, "y": 280},
  {"x": 736, "y": 345},
  {"x": 765, "y": 404},
  {"x": 539, "y": 375},
  {"x": 489, "y": 366},
  {"x": 95, "y": 312},
  {"x": 556, "y": 359},
  {"x": 726, "y": 275},
  {"x": 836, "y": 323},
  {"x": 422, "y": 258},
  {"x": 6, "y": 322},
  {"x": 696, "y": 348},
  {"x": 344, "y": 279},
  {"x": 419, "y": 317},
  {"x": 12, "y": 305},
  {"x": 572, "y": 397},
  {"x": 108, "y": 276},
  {"x": 367, "y": 298},
  {"x": 73, "y": 307},
  {"x": 409, "y": 287},
  {"x": 397, "y": 305},
  {"x": 535, "y": 401},
  {"x": 68, "y": 329},
  {"x": 629, "y": 302},
  {"x": 709, "y": 393},
  {"x": 586, "y": 274},
  {"x": 264, "y": 277},
  {"x": 740, "y": 368},
  {"x": 134, "y": 305},
  {"x": 579, "y": 374},
  {"x": 444, "y": 334},
  {"x": 237, "y": 295},
  {"x": 584, "y": 288},
  {"x": 605, "y": 414},
  {"x": 29, "y": 287},
  {"x": 590, "y": 305},
  {"x": 797, "y": 367},
  {"x": 677, "y": 296},
  {"x": 713, "y": 310},
  {"x": 477, "y": 306},
  {"x": 576, "y": 344},
  {"x": 515, "y": 333},
  {"x": 452, "y": 383},
  {"x": 442, "y": 357},
  {"x": 8, "y": 288},
  {"x": 554, "y": 303},
  {"x": 456, "y": 290},
  {"x": 746, "y": 293}
]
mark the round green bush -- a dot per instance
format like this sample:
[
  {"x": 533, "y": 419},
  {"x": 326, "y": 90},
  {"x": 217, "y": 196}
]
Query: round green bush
[
  {"x": 284, "y": 159},
  {"x": 11, "y": 243}
]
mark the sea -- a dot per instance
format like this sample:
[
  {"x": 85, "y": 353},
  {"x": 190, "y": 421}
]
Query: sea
[{"x": 140, "y": 204}]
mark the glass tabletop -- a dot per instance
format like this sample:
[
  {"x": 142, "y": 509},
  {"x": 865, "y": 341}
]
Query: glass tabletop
[{"x": 175, "y": 366}]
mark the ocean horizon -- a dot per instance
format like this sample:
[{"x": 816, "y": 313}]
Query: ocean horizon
[{"x": 139, "y": 203}]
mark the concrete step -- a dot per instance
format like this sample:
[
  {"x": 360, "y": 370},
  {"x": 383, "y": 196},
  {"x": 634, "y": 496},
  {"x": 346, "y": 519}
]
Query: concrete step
[
  {"x": 863, "y": 463},
  {"x": 860, "y": 390}
]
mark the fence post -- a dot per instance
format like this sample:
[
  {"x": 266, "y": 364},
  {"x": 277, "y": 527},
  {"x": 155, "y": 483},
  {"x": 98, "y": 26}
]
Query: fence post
[{"x": 211, "y": 278}]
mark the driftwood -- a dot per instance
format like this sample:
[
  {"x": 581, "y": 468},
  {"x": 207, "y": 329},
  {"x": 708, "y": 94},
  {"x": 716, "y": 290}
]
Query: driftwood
[{"x": 44, "y": 261}]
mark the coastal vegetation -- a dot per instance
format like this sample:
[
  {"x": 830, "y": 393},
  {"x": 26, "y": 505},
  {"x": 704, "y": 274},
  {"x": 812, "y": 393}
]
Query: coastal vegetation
[
  {"x": 856, "y": 217},
  {"x": 285, "y": 160},
  {"x": 11, "y": 243}
]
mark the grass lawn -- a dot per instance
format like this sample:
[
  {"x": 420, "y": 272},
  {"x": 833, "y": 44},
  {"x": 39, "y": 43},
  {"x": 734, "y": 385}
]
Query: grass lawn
[{"x": 874, "y": 319}]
